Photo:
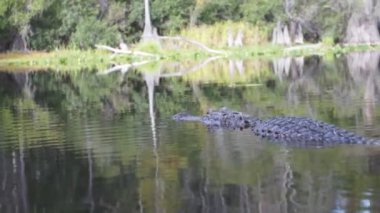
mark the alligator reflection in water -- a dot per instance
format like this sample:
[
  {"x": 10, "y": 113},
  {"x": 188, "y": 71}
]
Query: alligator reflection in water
[{"x": 297, "y": 130}]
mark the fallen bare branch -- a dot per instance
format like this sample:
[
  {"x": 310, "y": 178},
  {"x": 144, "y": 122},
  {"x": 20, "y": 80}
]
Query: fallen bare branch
[{"x": 120, "y": 51}]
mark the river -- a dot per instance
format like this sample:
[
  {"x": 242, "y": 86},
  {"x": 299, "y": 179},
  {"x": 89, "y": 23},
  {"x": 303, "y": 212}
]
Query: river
[{"x": 103, "y": 141}]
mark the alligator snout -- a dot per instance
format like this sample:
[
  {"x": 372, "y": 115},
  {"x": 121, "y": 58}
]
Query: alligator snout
[{"x": 180, "y": 116}]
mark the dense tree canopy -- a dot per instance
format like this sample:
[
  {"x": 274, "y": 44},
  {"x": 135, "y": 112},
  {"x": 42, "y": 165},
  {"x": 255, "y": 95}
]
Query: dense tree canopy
[{"x": 48, "y": 24}]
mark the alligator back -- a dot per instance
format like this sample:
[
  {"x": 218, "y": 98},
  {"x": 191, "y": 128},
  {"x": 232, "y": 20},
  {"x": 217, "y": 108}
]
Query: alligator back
[
  {"x": 226, "y": 118},
  {"x": 306, "y": 130}
]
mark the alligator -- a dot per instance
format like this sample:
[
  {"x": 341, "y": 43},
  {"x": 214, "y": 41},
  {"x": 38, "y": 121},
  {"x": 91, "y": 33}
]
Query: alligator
[{"x": 288, "y": 130}]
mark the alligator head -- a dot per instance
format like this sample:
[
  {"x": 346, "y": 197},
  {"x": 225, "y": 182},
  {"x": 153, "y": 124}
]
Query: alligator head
[
  {"x": 184, "y": 116},
  {"x": 221, "y": 118}
]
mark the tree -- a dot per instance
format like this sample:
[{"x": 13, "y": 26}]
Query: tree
[
  {"x": 149, "y": 31},
  {"x": 77, "y": 23},
  {"x": 18, "y": 14},
  {"x": 363, "y": 24}
]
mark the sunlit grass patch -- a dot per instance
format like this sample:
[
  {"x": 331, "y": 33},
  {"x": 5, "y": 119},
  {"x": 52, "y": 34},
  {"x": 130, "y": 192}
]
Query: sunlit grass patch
[
  {"x": 216, "y": 35},
  {"x": 64, "y": 59}
]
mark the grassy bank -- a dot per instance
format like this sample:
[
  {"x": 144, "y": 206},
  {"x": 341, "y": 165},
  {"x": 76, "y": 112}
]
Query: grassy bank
[
  {"x": 71, "y": 60},
  {"x": 213, "y": 37},
  {"x": 64, "y": 59}
]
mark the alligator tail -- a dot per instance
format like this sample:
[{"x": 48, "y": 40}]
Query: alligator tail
[
  {"x": 375, "y": 142},
  {"x": 364, "y": 141}
]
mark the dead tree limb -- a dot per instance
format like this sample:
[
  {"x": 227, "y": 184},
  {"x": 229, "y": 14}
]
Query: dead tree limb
[
  {"x": 196, "y": 43},
  {"x": 120, "y": 51}
]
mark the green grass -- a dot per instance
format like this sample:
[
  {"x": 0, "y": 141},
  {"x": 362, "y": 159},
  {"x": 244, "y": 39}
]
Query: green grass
[
  {"x": 215, "y": 35},
  {"x": 60, "y": 60}
]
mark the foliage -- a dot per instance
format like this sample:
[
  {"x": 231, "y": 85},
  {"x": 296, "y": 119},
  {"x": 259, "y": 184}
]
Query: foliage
[
  {"x": 48, "y": 24},
  {"x": 171, "y": 16},
  {"x": 15, "y": 17},
  {"x": 72, "y": 23},
  {"x": 223, "y": 10},
  {"x": 92, "y": 31},
  {"x": 262, "y": 11},
  {"x": 18, "y": 12}
]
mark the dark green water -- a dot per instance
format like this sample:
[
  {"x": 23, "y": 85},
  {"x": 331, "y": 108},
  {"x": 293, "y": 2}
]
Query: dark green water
[{"x": 85, "y": 142}]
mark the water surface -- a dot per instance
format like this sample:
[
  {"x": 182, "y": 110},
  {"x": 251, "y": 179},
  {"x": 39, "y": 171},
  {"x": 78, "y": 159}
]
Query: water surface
[{"x": 95, "y": 142}]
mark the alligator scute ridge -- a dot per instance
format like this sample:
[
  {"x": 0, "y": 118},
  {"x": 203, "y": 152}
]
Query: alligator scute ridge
[{"x": 288, "y": 130}]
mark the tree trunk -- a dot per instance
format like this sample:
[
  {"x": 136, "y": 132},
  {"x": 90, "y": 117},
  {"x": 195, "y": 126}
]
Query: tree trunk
[
  {"x": 298, "y": 34},
  {"x": 103, "y": 4},
  {"x": 362, "y": 28},
  {"x": 239, "y": 39},
  {"x": 20, "y": 42},
  {"x": 368, "y": 6},
  {"x": 281, "y": 35},
  {"x": 194, "y": 16},
  {"x": 230, "y": 38},
  {"x": 286, "y": 36},
  {"x": 150, "y": 33}
]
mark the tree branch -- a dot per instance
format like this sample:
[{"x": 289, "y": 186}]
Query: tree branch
[{"x": 120, "y": 51}]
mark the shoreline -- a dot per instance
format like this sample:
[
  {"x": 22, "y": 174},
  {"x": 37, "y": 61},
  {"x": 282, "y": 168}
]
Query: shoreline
[{"x": 65, "y": 59}]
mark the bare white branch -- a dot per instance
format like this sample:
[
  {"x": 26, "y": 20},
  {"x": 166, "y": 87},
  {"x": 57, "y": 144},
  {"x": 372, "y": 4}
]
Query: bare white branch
[{"x": 130, "y": 52}]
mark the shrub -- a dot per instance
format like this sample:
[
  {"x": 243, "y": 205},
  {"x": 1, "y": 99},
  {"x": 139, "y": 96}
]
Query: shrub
[{"x": 91, "y": 31}]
